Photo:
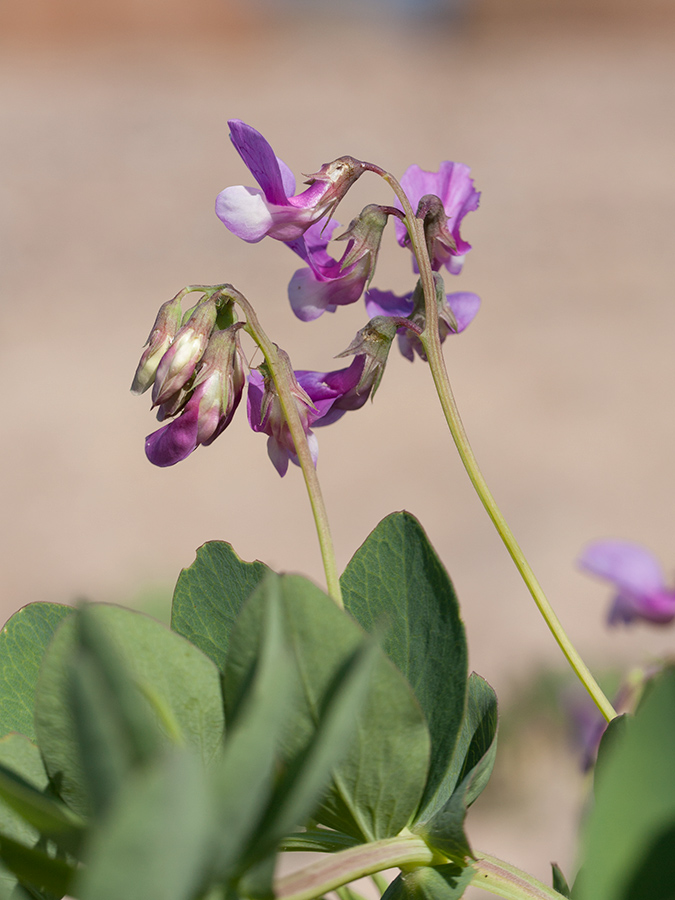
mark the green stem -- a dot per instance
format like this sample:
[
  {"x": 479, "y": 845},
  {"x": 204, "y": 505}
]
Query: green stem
[
  {"x": 405, "y": 851},
  {"x": 430, "y": 339},
  {"x": 282, "y": 382},
  {"x": 336, "y": 869},
  {"x": 497, "y": 877}
]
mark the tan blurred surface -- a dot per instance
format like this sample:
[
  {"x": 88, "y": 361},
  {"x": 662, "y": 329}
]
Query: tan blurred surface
[{"x": 112, "y": 152}]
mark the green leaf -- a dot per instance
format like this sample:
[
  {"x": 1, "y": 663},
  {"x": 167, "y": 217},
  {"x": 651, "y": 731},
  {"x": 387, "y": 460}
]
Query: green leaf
[
  {"x": 209, "y": 595},
  {"x": 23, "y": 642},
  {"x": 20, "y": 755},
  {"x": 377, "y": 785},
  {"x": 321, "y": 841},
  {"x": 303, "y": 785},
  {"x": 242, "y": 780},
  {"x": 559, "y": 881},
  {"x": 630, "y": 829},
  {"x": 176, "y": 687},
  {"x": 48, "y": 817},
  {"x": 469, "y": 771},
  {"x": 431, "y": 883},
  {"x": 395, "y": 582},
  {"x": 154, "y": 843},
  {"x": 35, "y": 868}
]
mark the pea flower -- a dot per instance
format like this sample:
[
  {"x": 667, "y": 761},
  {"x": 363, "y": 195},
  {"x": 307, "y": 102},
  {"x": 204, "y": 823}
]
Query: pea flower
[
  {"x": 266, "y": 415},
  {"x": 327, "y": 283},
  {"x": 321, "y": 397},
  {"x": 638, "y": 579},
  {"x": 455, "y": 189},
  {"x": 456, "y": 312},
  {"x": 208, "y": 406},
  {"x": 275, "y": 209}
]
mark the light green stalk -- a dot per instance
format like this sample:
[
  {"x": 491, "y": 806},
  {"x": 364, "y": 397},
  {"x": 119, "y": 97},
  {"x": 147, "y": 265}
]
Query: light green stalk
[
  {"x": 432, "y": 345},
  {"x": 406, "y": 851}
]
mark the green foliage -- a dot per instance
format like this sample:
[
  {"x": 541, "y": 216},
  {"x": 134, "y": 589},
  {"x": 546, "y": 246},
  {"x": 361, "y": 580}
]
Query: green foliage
[
  {"x": 431, "y": 883},
  {"x": 147, "y": 687},
  {"x": 395, "y": 584},
  {"x": 209, "y": 595},
  {"x": 559, "y": 881},
  {"x": 23, "y": 642},
  {"x": 352, "y": 726},
  {"x": 442, "y": 822},
  {"x": 630, "y": 833},
  {"x": 378, "y": 785}
]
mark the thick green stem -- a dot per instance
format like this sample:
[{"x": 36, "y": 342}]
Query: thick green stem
[
  {"x": 406, "y": 851},
  {"x": 430, "y": 339},
  {"x": 336, "y": 869},
  {"x": 282, "y": 382}
]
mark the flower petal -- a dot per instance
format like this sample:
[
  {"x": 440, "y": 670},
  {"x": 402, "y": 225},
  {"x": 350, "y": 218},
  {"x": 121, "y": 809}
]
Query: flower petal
[
  {"x": 244, "y": 211},
  {"x": 261, "y": 162},
  {"x": 630, "y": 567},
  {"x": 464, "y": 306},
  {"x": 175, "y": 441}
]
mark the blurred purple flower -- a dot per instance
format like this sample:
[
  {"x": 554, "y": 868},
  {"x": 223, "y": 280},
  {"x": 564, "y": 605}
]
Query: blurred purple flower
[
  {"x": 638, "y": 578},
  {"x": 454, "y": 187},
  {"x": 463, "y": 306},
  {"x": 273, "y": 210}
]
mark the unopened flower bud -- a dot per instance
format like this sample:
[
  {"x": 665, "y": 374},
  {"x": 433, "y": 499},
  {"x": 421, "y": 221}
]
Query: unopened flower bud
[
  {"x": 373, "y": 343},
  {"x": 159, "y": 340},
  {"x": 441, "y": 245},
  {"x": 178, "y": 363},
  {"x": 219, "y": 383}
]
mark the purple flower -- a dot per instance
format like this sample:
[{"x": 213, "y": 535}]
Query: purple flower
[
  {"x": 214, "y": 398},
  {"x": 273, "y": 210},
  {"x": 328, "y": 283},
  {"x": 266, "y": 415},
  {"x": 463, "y": 308},
  {"x": 454, "y": 187},
  {"x": 322, "y": 398},
  {"x": 638, "y": 579}
]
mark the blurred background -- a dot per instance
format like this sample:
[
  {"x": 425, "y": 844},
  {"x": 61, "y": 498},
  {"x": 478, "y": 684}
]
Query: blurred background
[{"x": 113, "y": 146}]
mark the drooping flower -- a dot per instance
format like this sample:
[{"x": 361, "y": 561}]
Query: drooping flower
[
  {"x": 455, "y": 189},
  {"x": 178, "y": 364},
  {"x": 638, "y": 579},
  {"x": 456, "y": 312},
  {"x": 211, "y": 402},
  {"x": 327, "y": 283},
  {"x": 159, "y": 340},
  {"x": 275, "y": 209},
  {"x": 265, "y": 414}
]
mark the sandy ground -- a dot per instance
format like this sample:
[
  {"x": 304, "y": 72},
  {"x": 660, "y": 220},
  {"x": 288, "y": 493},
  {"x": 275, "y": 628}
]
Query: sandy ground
[{"x": 110, "y": 157}]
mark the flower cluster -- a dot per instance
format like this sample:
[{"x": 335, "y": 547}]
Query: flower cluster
[{"x": 195, "y": 363}]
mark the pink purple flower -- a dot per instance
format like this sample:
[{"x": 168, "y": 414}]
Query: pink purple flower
[
  {"x": 463, "y": 307},
  {"x": 641, "y": 592},
  {"x": 455, "y": 189},
  {"x": 274, "y": 209},
  {"x": 327, "y": 283}
]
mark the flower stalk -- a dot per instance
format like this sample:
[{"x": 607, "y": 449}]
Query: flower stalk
[
  {"x": 430, "y": 340},
  {"x": 405, "y": 851},
  {"x": 280, "y": 375}
]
